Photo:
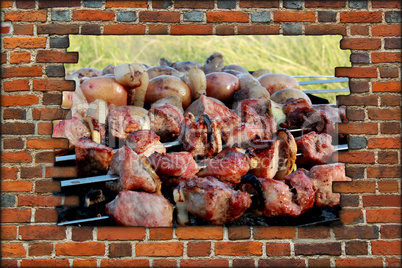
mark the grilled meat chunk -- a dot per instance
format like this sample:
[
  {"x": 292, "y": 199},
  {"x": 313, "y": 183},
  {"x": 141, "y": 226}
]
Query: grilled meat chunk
[
  {"x": 92, "y": 159},
  {"x": 122, "y": 123},
  {"x": 165, "y": 121},
  {"x": 228, "y": 166},
  {"x": 201, "y": 138},
  {"x": 131, "y": 208},
  {"x": 263, "y": 158},
  {"x": 134, "y": 170},
  {"x": 171, "y": 167},
  {"x": 72, "y": 129},
  {"x": 322, "y": 177},
  {"x": 302, "y": 188},
  {"x": 145, "y": 142},
  {"x": 316, "y": 148},
  {"x": 213, "y": 200},
  {"x": 291, "y": 104}
]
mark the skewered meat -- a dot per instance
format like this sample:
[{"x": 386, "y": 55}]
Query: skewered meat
[
  {"x": 131, "y": 208},
  {"x": 322, "y": 177},
  {"x": 213, "y": 200},
  {"x": 291, "y": 104},
  {"x": 225, "y": 118},
  {"x": 228, "y": 166},
  {"x": 165, "y": 121},
  {"x": 92, "y": 159},
  {"x": 173, "y": 100},
  {"x": 72, "y": 129},
  {"x": 316, "y": 148},
  {"x": 201, "y": 138},
  {"x": 122, "y": 123},
  {"x": 260, "y": 106},
  {"x": 263, "y": 158},
  {"x": 171, "y": 167},
  {"x": 99, "y": 132},
  {"x": 287, "y": 153},
  {"x": 134, "y": 170},
  {"x": 145, "y": 142},
  {"x": 302, "y": 188}
]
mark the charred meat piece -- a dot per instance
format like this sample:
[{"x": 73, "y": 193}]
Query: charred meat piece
[
  {"x": 302, "y": 188},
  {"x": 263, "y": 158},
  {"x": 260, "y": 106},
  {"x": 322, "y": 177},
  {"x": 72, "y": 129},
  {"x": 228, "y": 166},
  {"x": 92, "y": 159},
  {"x": 171, "y": 167},
  {"x": 201, "y": 138},
  {"x": 213, "y": 200},
  {"x": 134, "y": 170},
  {"x": 122, "y": 123},
  {"x": 316, "y": 148},
  {"x": 165, "y": 121},
  {"x": 145, "y": 142},
  {"x": 225, "y": 118},
  {"x": 131, "y": 208},
  {"x": 291, "y": 104},
  {"x": 243, "y": 135}
]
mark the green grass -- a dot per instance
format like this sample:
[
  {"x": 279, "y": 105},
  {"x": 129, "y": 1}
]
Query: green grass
[{"x": 291, "y": 55}]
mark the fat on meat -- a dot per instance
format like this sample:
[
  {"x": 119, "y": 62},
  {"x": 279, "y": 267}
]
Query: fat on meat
[
  {"x": 264, "y": 158},
  {"x": 322, "y": 177},
  {"x": 145, "y": 142},
  {"x": 213, "y": 200},
  {"x": 135, "y": 172},
  {"x": 92, "y": 159},
  {"x": 316, "y": 148},
  {"x": 121, "y": 123},
  {"x": 228, "y": 166},
  {"x": 165, "y": 121},
  {"x": 171, "y": 167},
  {"x": 131, "y": 208},
  {"x": 72, "y": 129}
]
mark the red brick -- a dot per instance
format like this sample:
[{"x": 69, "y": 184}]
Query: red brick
[
  {"x": 361, "y": 43},
  {"x": 56, "y": 56},
  {"x": 26, "y": 16},
  {"x": 356, "y": 72},
  {"x": 49, "y": 113},
  {"x": 80, "y": 249},
  {"x": 6, "y": 3},
  {"x": 53, "y": 85},
  {"x": 386, "y": 4},
  {"x": 381, "y": 200},
  {"x": 357, "y": 100},
  {"x": 59, "y": 29},
  {"x": 243, "y": 263},
  {"x": 8, "y": 232},
  {"x": 31, "y": 172},
  {"x": 282, "y": 262},
  {"x": 30, "y": 71},
  {"x": 44, "y": 263},
  {"x": 356, "y": 157},
  {"x": 124, "y": 29},
  {"x": 190, "y": 29},
  {"x": 258, "y": 4},
  {"x": 294, "y": 16},
  {"x": 333, "y": 4},
  {"x": 361, "y": 16},
  {"x": 35, "y": 200},
  {"x": 330, "y": 248},
  {"x": 125, "y": 263},
  {"x": 16, "y": 85},
  {"x": 390, "y": 100},
  {"x": 356, "y": 232},
  {"x": 19, "y": 100},
  {"x": 155, "y": 249},
  {"x": 359, "y": 30},
  {"x": 384, "y": 114},
  {"x": 8, "y": 262},
  {"x": 159, "y": 16},
  {"x": 47, "y": 143},
  {"x": 274, "y": 232},
  {"x": 384, "y": 143},
  {"x": 393, "y": 262},
  {"x": 321, "y": 262},
  {"x": 314, "y": 232},
  {"x": 16, "y": 157},
  {"x": 164, "y": 263},
  {"x": 60, "y": 172},
  {"x": 390, "y": 128},
  {"x": 383, "y": 215},
  {"x": 277, "y": 249},
  {"x": 356, "y": 248},
  {"x": 389, "y": 86},
  {"x": 358, "y": 128},
  {"x": 135, "y": 4},
  {"x": 12, "y": 250},
  {"x": 325, "y": 29},
  {"x": 161, "y": 233},
  {"x": 45, "y": 128},
  {"x": 356, "y": 186},
  {"x": 390, "y": 231},
  {"x": 157, "y": 29},
  {"x": 199, "y": 249},
  {"x": 382, "y": 247},
  {"x": 93, "y": 15},
  {"x": 44, "y": 157},
  {"x": 121, "y": 233},
  {"x": 250, "y": 248},
  {"x": 24, "y": 29},
  {"x": 9, "y": 172},
  {"x": 204, "y": 263},
  {"x": 58, "y": 3},
  {"x": 388, "y": 186},
  {"x": 257, "y": 29},
  {"x": 199, "y": 232},
  {"x": 386, "y": 30},
  {"x": 225, "y": 29},
  {"x": 358, "y": 262},
  {"x": 351, "y": 216},
  {"x": 20, "y": 57},
  {"x": 358, "y": 86},
  {"x": 14, "y": 215},
  {"x": 377, "y": 57},
  {"x": 383, "y": 172},
  {"x": 40, "y": 249},
  {"x": 14, "y": 143},
  {"x": 16, "y": 186},
  {"x": 239, "y": 232},
  {"x": 355, "y": 114},
  {"x": 24, "y": 42},
  {"x": 388, "y": 157},
  {"x": 227, "y": 16},
  {"x": 47, "y": 215},
  {"x": 117, "y": 250},
  {"x": 17, "y": 128},
  {"x": 5, "y": 29},
  {"x": 85, "y": 263}
]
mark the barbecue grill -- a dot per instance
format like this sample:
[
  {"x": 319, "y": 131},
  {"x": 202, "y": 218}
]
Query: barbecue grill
[{"x": 93, "y": 194}]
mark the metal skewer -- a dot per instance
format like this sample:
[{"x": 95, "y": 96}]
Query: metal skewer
[{"x": 83, "y": 220}]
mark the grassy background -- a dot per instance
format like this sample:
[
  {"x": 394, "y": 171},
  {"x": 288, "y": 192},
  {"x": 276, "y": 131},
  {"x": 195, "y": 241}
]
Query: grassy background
[{"x": 291, "y": 55}]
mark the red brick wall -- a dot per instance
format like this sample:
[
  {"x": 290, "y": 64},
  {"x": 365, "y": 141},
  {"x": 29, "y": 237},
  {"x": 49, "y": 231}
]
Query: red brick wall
[{"x": 32, "y": 57}]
